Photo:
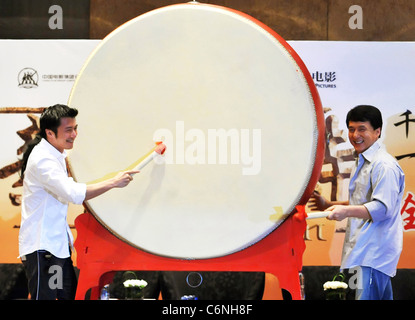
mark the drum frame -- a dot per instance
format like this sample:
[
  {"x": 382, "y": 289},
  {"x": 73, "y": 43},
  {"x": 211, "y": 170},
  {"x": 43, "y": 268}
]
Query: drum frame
[{"x": 100, "y": 254}]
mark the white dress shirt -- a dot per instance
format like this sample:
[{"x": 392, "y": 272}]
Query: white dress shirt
[{"x": 47, "y": 191}]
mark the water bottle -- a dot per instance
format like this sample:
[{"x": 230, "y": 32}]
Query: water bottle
[
  {"x": 302, "y": 285},
  {"x": 188, "y": 297},
  {"x": 105, "y": 292}
]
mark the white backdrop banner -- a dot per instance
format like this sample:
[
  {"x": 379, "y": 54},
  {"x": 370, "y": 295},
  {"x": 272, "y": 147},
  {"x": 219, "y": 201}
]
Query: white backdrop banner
[{"x": 40, "y": 73}]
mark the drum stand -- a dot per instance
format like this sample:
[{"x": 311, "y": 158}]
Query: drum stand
[{"x": 100, "y": 254}]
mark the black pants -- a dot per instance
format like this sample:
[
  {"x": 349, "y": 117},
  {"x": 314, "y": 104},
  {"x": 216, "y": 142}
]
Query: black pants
[{"x": 50, "y": 277}]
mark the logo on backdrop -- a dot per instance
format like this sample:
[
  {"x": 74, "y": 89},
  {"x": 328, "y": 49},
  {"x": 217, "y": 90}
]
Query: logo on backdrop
[
  {"x": 28, "y": 78},
  {"x": 325, "y": 79}
]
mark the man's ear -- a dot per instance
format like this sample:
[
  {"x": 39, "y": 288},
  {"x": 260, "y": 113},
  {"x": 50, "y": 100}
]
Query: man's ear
[{"x": 49, "y": 133}]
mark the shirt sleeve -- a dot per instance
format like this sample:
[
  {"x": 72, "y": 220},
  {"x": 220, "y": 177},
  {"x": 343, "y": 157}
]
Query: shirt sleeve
[
  {"x": 56, "y": 181},
  {"x": 377, "y": 210},
  {"x": 386, "y": 186}
]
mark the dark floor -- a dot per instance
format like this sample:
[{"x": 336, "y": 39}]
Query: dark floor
[{"x": 173, "y": 285}]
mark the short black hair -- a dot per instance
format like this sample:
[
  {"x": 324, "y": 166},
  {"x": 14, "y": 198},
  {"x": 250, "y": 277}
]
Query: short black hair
[
  {"x": 51, "y": 118},
  {"x": 363, "y": 113}
]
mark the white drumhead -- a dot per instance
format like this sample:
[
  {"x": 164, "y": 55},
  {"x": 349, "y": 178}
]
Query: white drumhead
[{"x": 235, "y": 111}]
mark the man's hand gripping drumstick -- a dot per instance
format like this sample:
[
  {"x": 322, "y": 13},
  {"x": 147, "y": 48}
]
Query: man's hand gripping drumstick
[
  {"x": 333, "y": 210},
  {"x": 123, "y": 178}
]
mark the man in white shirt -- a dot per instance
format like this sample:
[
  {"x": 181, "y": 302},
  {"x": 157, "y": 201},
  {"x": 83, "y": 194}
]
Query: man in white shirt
[{"x": 45, "y": 238}]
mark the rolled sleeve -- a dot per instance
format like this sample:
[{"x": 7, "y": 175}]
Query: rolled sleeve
[
  {"x": 64, "y": 188},
  {"x": 79, "y": 192},
  {"x": 377, "y": 210},
  {"x": 386, "y": 190}
]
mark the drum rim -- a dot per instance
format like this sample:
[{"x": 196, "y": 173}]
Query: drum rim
[{"x": 318, "y": 152}]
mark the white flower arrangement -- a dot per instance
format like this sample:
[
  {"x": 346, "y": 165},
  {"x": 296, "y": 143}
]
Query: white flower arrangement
[
  {"x": 135, "y": 283},
  {"x": 334, "y": 285},
  {"x": 336, "y": 290}
]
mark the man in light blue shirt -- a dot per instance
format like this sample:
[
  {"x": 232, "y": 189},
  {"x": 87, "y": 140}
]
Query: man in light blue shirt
[{"x": 373, "y": 240}]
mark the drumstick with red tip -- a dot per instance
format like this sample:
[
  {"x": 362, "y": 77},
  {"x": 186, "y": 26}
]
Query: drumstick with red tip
[{"x": 159, "y": 149}]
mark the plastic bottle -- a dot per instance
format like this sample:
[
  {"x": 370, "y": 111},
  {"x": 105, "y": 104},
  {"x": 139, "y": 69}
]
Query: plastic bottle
[
  {"x": 302, "y": 285},
  {"x": 105, "y": 292}
]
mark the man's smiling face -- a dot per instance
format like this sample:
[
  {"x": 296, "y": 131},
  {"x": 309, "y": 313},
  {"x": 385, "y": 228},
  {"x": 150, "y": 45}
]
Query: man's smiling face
[
  {"x": 362, "y": 135},
  {"x": 66, "y": 134}
]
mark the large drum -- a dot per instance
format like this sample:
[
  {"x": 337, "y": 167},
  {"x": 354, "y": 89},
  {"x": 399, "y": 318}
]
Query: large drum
[{"x": 237, "y": 110}]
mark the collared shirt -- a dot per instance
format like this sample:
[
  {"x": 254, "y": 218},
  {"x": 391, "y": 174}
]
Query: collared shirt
[
  {"x": 47, "y": 191},
  {"x": 377, "y": 182}
]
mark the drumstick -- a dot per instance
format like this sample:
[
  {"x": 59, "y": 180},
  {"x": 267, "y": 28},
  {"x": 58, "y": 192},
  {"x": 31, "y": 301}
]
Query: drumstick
[
  {"x": 317, "y": 214},
  {"x": 144, "y": 162},
  {"x": 148, "y": 158},
  {"x": 136, "y": 166}
]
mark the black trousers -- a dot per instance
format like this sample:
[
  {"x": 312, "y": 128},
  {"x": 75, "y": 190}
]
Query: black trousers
[{"x": 49, "y": 277}]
